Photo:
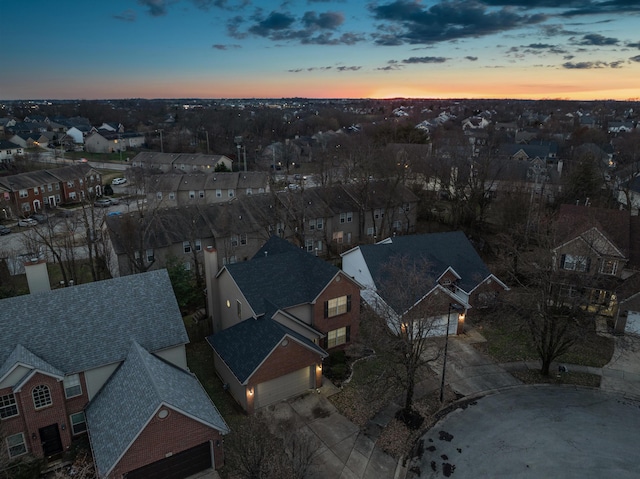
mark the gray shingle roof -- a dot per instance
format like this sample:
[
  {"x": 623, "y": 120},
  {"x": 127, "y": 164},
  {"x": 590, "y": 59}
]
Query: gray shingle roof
[
  {"x": 90, "y": 325},
  {"x": 141, "y": 385},
  {"x": 439, "y": 250},
  {"x": 21, "y": 355},
  {"x": 282, "y": 274},
  {"x": 244, "y": 346}
]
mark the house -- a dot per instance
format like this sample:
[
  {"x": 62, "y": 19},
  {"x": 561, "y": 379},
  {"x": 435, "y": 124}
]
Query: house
[
  {"x": 117, "y": 374},
  {"x": 9, "y": 150},
  {"x": 104, "y": 141},
  {"x": 275, "y": 317},
  {"x": 27, "y": 193},
  {"x": 453, "y": 273},
  {"x": 596, "y": 254},
  {"x": 181, "y": 162}
]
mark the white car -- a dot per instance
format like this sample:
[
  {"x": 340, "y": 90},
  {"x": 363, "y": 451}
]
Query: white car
[
  {"x": 118, "y": 181},
  {"x": 27, "y": 222}
]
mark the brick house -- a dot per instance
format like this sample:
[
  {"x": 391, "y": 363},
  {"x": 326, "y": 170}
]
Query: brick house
[
  {"x": 275, "y": 317},
  {"x": 453, "y": 273},
  {"x": 69, "y": 372},
  {"x": 28, "y": 193}
]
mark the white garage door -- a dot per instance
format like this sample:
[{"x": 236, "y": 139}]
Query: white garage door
[
  {"x": 283, "y": 387},
  {"x": 633, "y": 323}
]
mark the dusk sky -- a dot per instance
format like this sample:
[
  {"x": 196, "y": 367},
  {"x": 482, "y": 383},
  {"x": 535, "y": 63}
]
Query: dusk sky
[{"x": 574, "y": 49}]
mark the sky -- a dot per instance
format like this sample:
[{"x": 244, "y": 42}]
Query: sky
[{"x": 528, "y": 49}]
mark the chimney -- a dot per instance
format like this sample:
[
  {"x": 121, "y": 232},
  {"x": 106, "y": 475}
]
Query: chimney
[
  {"x": 37, "y": 275},
  {"x": 210, "y": 272}
]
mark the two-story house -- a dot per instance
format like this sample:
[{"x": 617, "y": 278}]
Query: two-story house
[
  {"x": 274, "y": 319},
  {"x": 105, "y": 359},
  {"x": 447, "y": 263},
  {"x": 180, "y": 162},
  {"x": 596, "y": 253}
]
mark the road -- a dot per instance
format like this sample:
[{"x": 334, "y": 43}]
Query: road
[{"x": 535, "y": 432}]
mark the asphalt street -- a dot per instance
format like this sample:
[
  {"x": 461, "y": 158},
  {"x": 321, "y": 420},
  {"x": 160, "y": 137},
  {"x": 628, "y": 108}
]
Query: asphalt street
[{"x": 535, "y": 432}]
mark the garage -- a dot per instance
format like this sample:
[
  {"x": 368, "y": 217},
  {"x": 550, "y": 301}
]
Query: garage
[
  {"x": 177, "y": 466},
  {"x": 633, "y": 323},
  {"x": 283, "y": 387}
]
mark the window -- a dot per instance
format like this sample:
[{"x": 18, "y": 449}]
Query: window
[
  {"x": 16, "y": 445},
  {"x": 308, "y": 245},
  {"x": 24, "y": 193},
  {"x": 198, "y": 246},
  {"x": 346, "y": 217},
  {"x": 57, "y": 186},
  {"x": 186, "y": 247},
  {"x": 337, "y": 306},
  {"x": 81, "y": 182},
  {"x": 218, "y": 193},
  {"x": 234, "y": 241},
  {"x": 243, "y": 239},
  {"x": 397, "y": 225},
  {"x": 159, "y": 195},
  {"x": 609, "y": 266},
  {"x": 201, "y": 194},
  {"x": 338, "y": 237},
  {"x": 149, "y": 255},
  {"x": 72, "y": 386},
  {"x": 72, "y": 195},
  {"x": 370, "y": 231},
  {"x": 49, "y": 187},
  {"x": 8, "y": 406},
  {"x": 26, "y": 207},
  {"x": 349, "y": 217},
  {"x": 70, "y": 184},
  {"x": 187, "y": 266},
  {"x": 378, "y": 213},
  {"x": 78, "y": 423},
  {"x": 172, "y": 196},
  {"x": 575, "y": 263},
  {"x": 192, "y": 194},
  {"x": 231, "y": 193},
  {"x": 36, "y": 191},
  {"x": 319, "y": 223},
  {"x": 249, "y": 191},
  {"x": 312, "y": 224},
  {"x": 336, "y": 337},
  {"x": 41, "y": 396}
]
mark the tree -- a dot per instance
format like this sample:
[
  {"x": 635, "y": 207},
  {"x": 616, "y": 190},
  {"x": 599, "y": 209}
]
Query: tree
[
  {"x": 183, "y": 283},
  {"x": 406, "y": 333}
]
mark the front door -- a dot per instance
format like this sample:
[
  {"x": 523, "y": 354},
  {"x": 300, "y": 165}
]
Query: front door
[
  {"x": 50, "y": 439},
  {"x": 52, "y": 201}
]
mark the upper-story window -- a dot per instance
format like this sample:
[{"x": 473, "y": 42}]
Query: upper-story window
[
  {"x": 201, "y": 194},
  {"x": 70, "y": 184},
  {"x": 609, "y": 266},
  {"x": 336, "y": 306},
  {"x": 231, "y": 193},
  {"x": 192, "y": 194},
  {"x": 23, "y": 193},
  {"x": 41, "y": 396},
  {"x": 249, "y": 191},
  {"x": 8, "y": 406},
  {"x": 72, "y": 386},
  {"x": 218, "y": 193},
  {"x": 186, "y": 246},
  {"x": 36, "y": 191},
  {"x": 571, "y": 262}
]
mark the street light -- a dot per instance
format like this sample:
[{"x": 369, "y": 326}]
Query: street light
[{"x": 457, "y": 307}]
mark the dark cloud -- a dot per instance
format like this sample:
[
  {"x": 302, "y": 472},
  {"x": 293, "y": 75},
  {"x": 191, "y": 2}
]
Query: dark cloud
[
  {"x": 539, "y": 46},
  {"x": 571, "y": 8},
  {"x": 411, "y": 22},
  {"x": 155, "y": 8},
  {"x": 348, "y": 69},
  {"x": 219, "y": 46},
  {"x": 425, "y": 60},
  {"x": 590, "y": 65},
  {"x": 230, "y": 5},
  {"x": 126, "y": 16},
  {"x": 635, "y": 59},
  {"x": 274, "y": 22},
  {"x": 634, "y": 45},
  {"x": 598, "y": 40},
  {"x": 310, "y": 69},
  {"x": 472, "y": 59},
  {"x": 329, "y": 20}
]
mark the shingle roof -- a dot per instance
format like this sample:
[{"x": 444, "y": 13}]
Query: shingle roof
[
  {"x": 21, "y": 355},
  {"x": 90, "y": 325},
  {"x": 244, "y": 346},
  {"x": 439, "y": 250},
  {"x": 283, "y": 274},
  {"x": 143, "y": 383}
]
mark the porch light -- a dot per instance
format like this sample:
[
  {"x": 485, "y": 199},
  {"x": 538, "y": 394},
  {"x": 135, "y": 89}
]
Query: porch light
[{"x": 250, "y": 391}]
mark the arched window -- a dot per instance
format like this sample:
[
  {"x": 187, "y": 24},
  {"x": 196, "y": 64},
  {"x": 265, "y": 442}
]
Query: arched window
[{"x": 41, "y": 396}]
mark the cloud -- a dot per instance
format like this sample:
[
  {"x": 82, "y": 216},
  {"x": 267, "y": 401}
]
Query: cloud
[
  {"x": 635, "y": 59},
  {"x": 222, "y": 4},
  {"x": 348, "y": 69},
  {"x": 274, "y": 22},
  {"x": 571, "y": 7},
  {"x": 219, "y": 46},
  {"x": 310, "y": 69},
  {"x": 126, "y": 16},
  {"x": 598, "y": 40},
  {"x": 329, "y": 20},
  {"x": 424, "y": 60},
  {"x": 634, "y": 45},
  {"x": 411, "y": 22},
  {"x": 155, "y": 8},
  {"x": 591, "y": 65},
  {"x": 471, "y": 59}
]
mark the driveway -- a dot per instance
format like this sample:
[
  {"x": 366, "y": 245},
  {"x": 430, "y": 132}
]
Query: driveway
[
  {"x": 535, "y": 432},
  {"x": 343, "y": 452}
]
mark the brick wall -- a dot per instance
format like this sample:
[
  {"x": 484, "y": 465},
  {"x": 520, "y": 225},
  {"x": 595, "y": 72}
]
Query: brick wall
[
  {"x": 340, "y": 286},
  {"x": 171, "y": 435},
  {"x": 284, "y": 360}
]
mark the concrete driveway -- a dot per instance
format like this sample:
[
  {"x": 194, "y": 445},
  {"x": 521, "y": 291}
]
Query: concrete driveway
[
  {"x": 535, "y": 432},
  {"x": 343, "y": 452}
]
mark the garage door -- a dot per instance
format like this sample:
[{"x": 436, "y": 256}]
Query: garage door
[
  {"x": 283, "y": 387},
  {"x": 633, "y": 323},
  {"x": 178, "y": 466}
]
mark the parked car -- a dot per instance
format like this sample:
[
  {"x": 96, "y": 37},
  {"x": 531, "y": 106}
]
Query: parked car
[
  {"x": 114, "y": 201},
  {"x": 4, "y": 230},
  {"x": 118, "y": 181},
  {"x": 27, "y": 222},
  {"x": 102, "y": 203},
  {"x": 40, "y": 218}
]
